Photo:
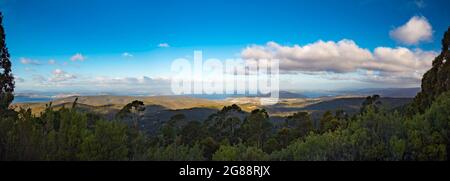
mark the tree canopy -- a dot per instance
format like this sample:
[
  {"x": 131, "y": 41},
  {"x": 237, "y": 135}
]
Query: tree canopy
[{"x": 6, "y": 77}]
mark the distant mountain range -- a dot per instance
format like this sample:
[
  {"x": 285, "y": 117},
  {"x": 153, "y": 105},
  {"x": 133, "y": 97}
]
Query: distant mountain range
[
  {"x": 386, "y": 92},
  {"x": 383, "y": 92}
]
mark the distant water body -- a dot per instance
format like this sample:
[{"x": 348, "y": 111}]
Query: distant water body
[{"x": 22, "y": 99}]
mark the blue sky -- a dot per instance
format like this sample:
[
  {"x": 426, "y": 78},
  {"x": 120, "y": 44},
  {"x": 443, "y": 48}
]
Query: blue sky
[{"x": 44, "y": 35}]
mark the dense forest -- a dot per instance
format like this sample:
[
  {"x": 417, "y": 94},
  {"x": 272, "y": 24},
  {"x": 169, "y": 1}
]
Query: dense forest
[{"x": 418, "y": 131}]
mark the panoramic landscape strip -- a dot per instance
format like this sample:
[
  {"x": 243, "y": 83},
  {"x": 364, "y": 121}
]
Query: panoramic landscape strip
[{"x": 156, "y": 83}]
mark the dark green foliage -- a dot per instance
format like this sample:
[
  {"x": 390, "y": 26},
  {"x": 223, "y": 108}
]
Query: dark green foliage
[
  {"x": 226, "y": 124},
  {"x": 327, "y": 122},
  {"x": 66, "y": 134},
  {"x": 6, "y": 77},
  {"x": 376, "y": 134},
  {"x": 301, "y": 123},
  {"x": 108, "y": 141},
  {"x": 210, "y": 146},
  {"x": 341, "y": 115},
  {"x": 233, "y": 107},
  {"x": 429, "y": 133},
  {"x": 436, "y": 80},
  {"x": 170, "y": 131},
  {"x": 380, "y": 135},
  {"x": 137, "y": 144},
  {"x": 131, "y": 112},
  {"x": 273, "y": 144},
  {"x": 284, "y": 136},
  {"x": 135, "y": 106},
  {"x": 257, "y": 128},
  {"x": 373, "y": 101},
  {"x": 192, "y": 133},
  {"x": 330, "y": 122}
]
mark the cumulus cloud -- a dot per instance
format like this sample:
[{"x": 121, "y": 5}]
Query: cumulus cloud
[
  {"x": 338, "y": 57},
  {"x": 59, "y": 75},
  {"x": 417, "y": 29},
  {"x": 28, "y": 61},
  {"x": 163, "y": 45},
  {"x": 399, "y": 65},
  {"x": 126, "y": 54},
  {"x": 401, "y": 60},
  {"x": 345, "y": 57},
  {"x": 78, "y": 57}
]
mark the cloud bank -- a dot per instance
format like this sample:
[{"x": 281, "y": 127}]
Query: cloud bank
[
  {"x": 383, "y": 64},
  {"x": 59, "y": 75}
]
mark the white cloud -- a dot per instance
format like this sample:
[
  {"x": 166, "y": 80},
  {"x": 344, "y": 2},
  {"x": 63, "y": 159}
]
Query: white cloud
[
  {"x": 77, "y": 57},
  {"x": 145, "y": 85},
  {"x": 417, "y": 29},
  {"x": 129, "y": 81},
  {"x": 401, "y": 59},
  {"x": 126, "y": 54},
  {"x": 59, "y": 75},
  {"x": 400, "y": 64},
  {"x": 163, "y": 45},
  {"x": 51, "y": 62},
  {"x": 118, "y": 85},
  {"x": 340, "y": 59},
  {"x": 28, "y": 61}
]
